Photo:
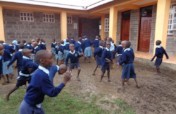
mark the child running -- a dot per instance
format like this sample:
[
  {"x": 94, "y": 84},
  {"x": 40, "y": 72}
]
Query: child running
[
  {"x": 28, "y": 66},
  {"x": 159, "y": 53},
  {"x": 41, "y": 85},
  {"x": 127, "y": 61},
  {"x": 74, "y": 56}
]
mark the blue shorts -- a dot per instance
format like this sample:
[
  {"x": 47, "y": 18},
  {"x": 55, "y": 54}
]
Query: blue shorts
[
  {"x": 158, "y": 62},
  {"x": 74, "y": 65},
  {"x": 105, "y": 67},
  {"x": 98, "y": 61},
  {"x": 128, "y": 71}
]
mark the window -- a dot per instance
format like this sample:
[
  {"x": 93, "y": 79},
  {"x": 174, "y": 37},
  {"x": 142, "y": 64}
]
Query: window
[
  {"x": 172, "y": 20},
  {"x": 69, "y": 19},
  {"x": 48, "y": 18},
  {"x": 26, "y": 16},
  {"x": 106, "y": 25}
]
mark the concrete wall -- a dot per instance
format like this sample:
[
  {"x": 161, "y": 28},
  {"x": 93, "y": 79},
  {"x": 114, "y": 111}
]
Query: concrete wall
[
  {"x": 90, "y": 27},
  {"x": 16, "y": 29}
]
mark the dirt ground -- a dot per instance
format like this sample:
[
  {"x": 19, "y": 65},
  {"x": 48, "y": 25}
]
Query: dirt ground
[{"x": 157, "y": 93}]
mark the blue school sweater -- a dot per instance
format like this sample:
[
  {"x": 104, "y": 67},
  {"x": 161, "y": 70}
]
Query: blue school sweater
[
  {"x": 106, "y": 54},
  {"x": 52, "y": 71},
  {"x": 36, "y": 49},
  {"x": 40, "y": 86},
  {"x": 53, "y": 44},
  {"x": 87, "y": 43},
  {"x": 72, "y": 41},
  {"x": 42, "y": 46},
  {"x": 26, "y": 64},
  {"x": 9, "y": 48},
  {"x": 160, "y": 52},
  {"x": 1, "y": 65},
  {"x": 73, "y": 57},
  {"x": 28, "y": 46},
  {"x": 96, "y": 43},
  {"x": 98, "y": 51},
  {"x": 6, "y": 56},
  {"x": 119, "y": 49},
  {"x": 78, "y": 47},
  {"x": 66, "y": 47},
  {"x": 127, "y": 56},
  {"x": 59, "y": 48},
  {"x": 18, "y": 56}
]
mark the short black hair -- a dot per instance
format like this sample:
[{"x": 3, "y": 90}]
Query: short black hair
[
  {"x": 158, "y": 42},
  {"x": 128, "y": 44},
  {"x": 120, "y": 42}
]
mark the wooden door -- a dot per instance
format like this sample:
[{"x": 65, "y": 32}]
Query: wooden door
[
  {"x": 145, "y": 32},
  {"x": 125, "y": 26},
  {"x": 80, "y": 28}
]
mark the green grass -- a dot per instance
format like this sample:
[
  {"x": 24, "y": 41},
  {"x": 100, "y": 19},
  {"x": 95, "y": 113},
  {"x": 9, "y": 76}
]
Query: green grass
[{"x": 63, "y": 104}]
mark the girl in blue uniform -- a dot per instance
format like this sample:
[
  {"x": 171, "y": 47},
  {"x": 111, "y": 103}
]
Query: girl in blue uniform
[
  {"x": 59, "y": 53},
  {"x": 28, "y": 66},
  {"x": 159, "y": 53},
  {"x": 106, "y": 61},
  {"x": 127, "y": 61},
  {"x": 41, "y": 85},
  {"x": 73, "y": 57},
  {"x": 88, "y": 49},
  {"x": 97, "y": 55}
]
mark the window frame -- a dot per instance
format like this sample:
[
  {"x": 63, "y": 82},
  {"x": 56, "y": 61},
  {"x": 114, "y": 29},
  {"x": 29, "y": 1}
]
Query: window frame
[
  {"x": 106, "y": 28},
  {"x": 49, "y": 18},
  {"x": 26, "y": 16}
]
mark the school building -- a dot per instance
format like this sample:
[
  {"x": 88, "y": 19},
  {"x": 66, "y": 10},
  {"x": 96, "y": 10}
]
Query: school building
[{"x": 140, "y": 21}]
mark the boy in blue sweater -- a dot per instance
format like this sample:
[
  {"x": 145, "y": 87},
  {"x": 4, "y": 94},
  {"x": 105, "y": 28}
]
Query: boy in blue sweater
[
  {"x": 127, "y": 61},
  {"x": 97, "y": 55},
  {"x": 159, "y": 53},
  {"x": 41, "y": 85},
  {"x": 73, "y": 56},
  {"x": 106, "y": 61},
  {"x": 28, "y": 66},
  {"x": 119, "y": 51}
]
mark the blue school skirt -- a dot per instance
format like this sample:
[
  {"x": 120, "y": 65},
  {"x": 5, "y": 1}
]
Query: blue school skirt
[
  {"x": 27, "y": 109},
  {"x": 158, "y": 62},
  {"x": 53, "y": 51},
  {"x": 128, "y": 71},
  {"x": 105, "y": 67},
  {"x": 59, "y": 56},
  {"x": 7, "y": 70},
  {"x": 118, "y": 58},
  {"x": 88, "y": 52},
  {"x": 66, "y": 52},
  {"x": 98, "y": 61}
]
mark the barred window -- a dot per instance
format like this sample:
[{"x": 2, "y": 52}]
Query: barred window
[
  {"x": 172, "y": 20},
  {"x": 48, "y": 18},
  {"x": 69, "y": 20},
  {"x": 106, "y": 25},
  {"x": 26, "y": 16}
]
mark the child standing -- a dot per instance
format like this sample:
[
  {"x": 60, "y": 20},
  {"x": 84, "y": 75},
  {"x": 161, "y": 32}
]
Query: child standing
[
  {"x": 88, "y": 50},
  {"x": 73, "y": 56},
  {"x": 97, "y": 55},
  {"x": 28, "y": 66},
  {"x": 119, "y": 51},
  {"x": 41, "y": 85},
  {"x": 127, "y": 61},
  {"x": 159, "y": 53},
  {"x": 106, "y": 61}
]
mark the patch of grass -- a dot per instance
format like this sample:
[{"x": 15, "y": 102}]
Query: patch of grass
[
  {"x": 63, "y": 104},
  {"x": 124, "y": 108}
]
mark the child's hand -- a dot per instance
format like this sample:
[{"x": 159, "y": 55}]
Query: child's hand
[
  {"x": 167, "y": 58},
  {"x": 107, "y": 60},
  {"x": 67, "y": 77}
]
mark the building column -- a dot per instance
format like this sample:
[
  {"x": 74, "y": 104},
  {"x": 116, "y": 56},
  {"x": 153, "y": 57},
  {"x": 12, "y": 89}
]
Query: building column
[
  {"x": 102, "y": 32},
  {"x": 113, "y": 23},
  {"x": 162, "y": 17},
  {"x": 2, "y": 36},
  {"x": 63, "y": 18}
]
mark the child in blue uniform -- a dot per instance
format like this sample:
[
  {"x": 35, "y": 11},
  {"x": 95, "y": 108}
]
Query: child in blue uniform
[
  {"x": 96, "y": 42},
  {"x": 88, "y": 50},
  {"x": 73, "y": 56},
  {"x": 106, "y": 61},
  {"x": 66, "y": 48},
  {"x": 159, "y": 53},
  {"x": 127, "y": 61},
  {"x": 41, "y": 85},
  {"x": 28, "y": 66},
  {"x": 54, "y": 69},
  {"x": 119, "y": 51},
  {"x": 53, "y": 45},
  {"x": 18, "y": 56},
  {"x": 97, "y": 55},
  {"x": 60, "y": 53}
]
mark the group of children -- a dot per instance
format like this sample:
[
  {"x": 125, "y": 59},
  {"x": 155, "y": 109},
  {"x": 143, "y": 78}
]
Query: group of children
[{"x": 35, "y": 66}]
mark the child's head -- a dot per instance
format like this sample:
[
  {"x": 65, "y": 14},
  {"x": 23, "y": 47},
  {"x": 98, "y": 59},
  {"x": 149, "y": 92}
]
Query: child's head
[
  {"x": 128, "y": 44},
  {"x": 62, "y": 69},
  {"x": 26, "y": 52},
  {"x": 158, "y": 42},
  {"x": 23, "y": 41},
  {"x": 108, "y": 44},
  {"x": 44, "y": 58},
  {"x": 123, "y": 43},
  {"x": 120, "y": 42},
  {"x": 71, "y": 47},
  {"x": 102, "y": 43},
  {"x": 21, "y": 46},
  {"x": 1, "y": 49}
]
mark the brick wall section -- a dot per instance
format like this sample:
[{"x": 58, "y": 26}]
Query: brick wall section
[
  {"x": 71, "y": 31},
  {"x": 152, "y": 36},
  {"x": 90, "y": 27},
  {"x": 16, "y": 29},
  {"x": 134, "y": 28}
]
